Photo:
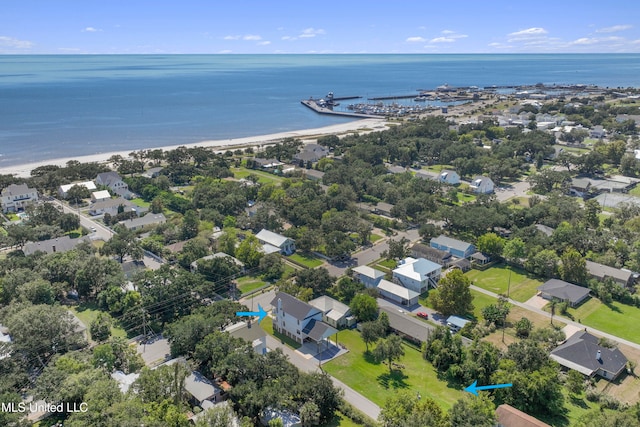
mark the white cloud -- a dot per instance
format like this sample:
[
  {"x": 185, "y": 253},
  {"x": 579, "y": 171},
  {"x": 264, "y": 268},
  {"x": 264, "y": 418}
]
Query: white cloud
[
  {"x": 447, "y": 32},
  {"x": 311, "y": 32},
  {"x": 231, "y": 37},
  {"x": 264, "y": 43},
  {"x": 614, "y": 28},
  {"x": 91, "y": 30},
  {"x": 251, "y": 37},
  {"x": 528, "y": 33},
  {"x": 442, "y": 40},
  {"x": 12, "y": 43},
  {"x": 288, "y": 38},
  {"x": 415, "y": 39}
]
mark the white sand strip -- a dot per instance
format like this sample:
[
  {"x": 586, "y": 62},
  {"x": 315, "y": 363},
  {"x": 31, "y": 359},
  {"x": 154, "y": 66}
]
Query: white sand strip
[{"x": 24, "y": 170}]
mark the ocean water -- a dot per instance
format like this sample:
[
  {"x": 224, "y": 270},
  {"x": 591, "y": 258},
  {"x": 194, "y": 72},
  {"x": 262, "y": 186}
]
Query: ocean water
[{"x": 55, "y": 106}]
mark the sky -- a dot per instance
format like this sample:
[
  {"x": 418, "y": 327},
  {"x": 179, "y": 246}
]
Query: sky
[{"x": 318, "y": 26}]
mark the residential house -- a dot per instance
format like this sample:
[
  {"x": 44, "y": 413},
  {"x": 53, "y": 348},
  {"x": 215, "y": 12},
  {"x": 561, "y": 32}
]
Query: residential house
[
  {"x": 271, "y": 240},
  {"x": 268, "y": 164},
  {"x": 115, "y": 206},
  {"x": 383, "y": 208},
  {"x": 449, "y": 177},
  {"x": 153, "y": 172},
  {"x": 398, "y": 294},
  {"x": 455, "y": 247},
  {"x": 144, "y": 221},
  {"x": 59, "y": 244},
  {"x": 555, "y": 289},
  {"x": 480, "y": 258},
  {"x": 16, "y": 197},
  {"x": 199, "y": 387},
  {"x": 508, "y": 416},
  {"x": 298, "y": 320},
  {"x": 583, "y": 186},
  {"x": 334, "y": 312},
  {"x": 64, "y": 189},
  {"x": 314, "y": 175},
  {"x": 482, "y": 185},
  {"x": 597, "y": 132},
  {"x": 582, "y": 352},
  {"x": 396, "y": 169},
  {"x": 113, "y": 181},
  {"x": 124, "y": 380},
  {"x": 455, "y": 323},
  {"x": 251, "y": 333},
  {"x": 406, "y": 326},
  {"x": 236, "y": 261},
  {"x": 288, "y": 418},
  {"x": 97, "y": 196},
  {"x": 417, "y": 274},
  {"x": 420, "y": 250},
  {"x": 368, "y": 276},
  {"x": 311, "y": 153},
  {"x": 601, "y": 272},
  {"x": 425, "y": 174}
]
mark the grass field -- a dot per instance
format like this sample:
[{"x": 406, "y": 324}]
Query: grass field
[
  {"x": 247, "y": 284},
  {"x": 388, "y": 264},
  {"x": 616, "y": 318},
  {"x": 373, "y": 380},
  {"x": 87, "y": 313},
  {"x": 308, "y": 261},
  {"x": 502, "y": 279},
  {"x": 263, "y": 177},
  {"x": 374, "y": 237}
]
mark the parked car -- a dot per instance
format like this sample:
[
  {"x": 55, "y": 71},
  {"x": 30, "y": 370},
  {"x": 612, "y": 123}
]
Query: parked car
[{"x": 423, "y": 315}]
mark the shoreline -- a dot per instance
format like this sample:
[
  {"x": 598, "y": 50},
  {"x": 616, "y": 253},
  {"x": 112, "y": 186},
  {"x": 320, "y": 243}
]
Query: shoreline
[{"x": 24, "y": 170}]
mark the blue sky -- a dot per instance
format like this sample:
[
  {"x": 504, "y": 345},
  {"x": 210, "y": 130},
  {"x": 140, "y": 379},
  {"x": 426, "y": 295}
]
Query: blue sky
[{"x": 318, "y": 26}]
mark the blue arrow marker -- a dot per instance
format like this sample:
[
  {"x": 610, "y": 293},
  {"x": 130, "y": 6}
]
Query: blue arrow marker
[
  {"x": 260, "y": 313},
  {"x": 473, "y": 388}
]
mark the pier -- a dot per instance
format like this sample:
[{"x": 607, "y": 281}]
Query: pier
[{"x": 310, "y": 103}]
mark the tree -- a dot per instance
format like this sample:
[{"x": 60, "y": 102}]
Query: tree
[
  {"x": 370, "y": 332},
  {"x": 496, "y": 313},
  {"x": 364, "y": 307},
  {"x": 123, "y": 243},
  {"x": 77, "y": 193},
  {"x": 514, "y": 250},
  {"x": 316, "y": 279},
  {"x": 453, "y": 295},
  {"x": 249, "y": 251},
  {"x": 271, "y": 266},
  {"x": 575, "y": 382},
  {"x": 389, "y": 349},
  {"x": 491, "y": 244},
  {"x": 69, "y": 222},
  {"x": 406, "y": 409},
  {"x": 398, "y": 249},
  {"x": 523, "y": 327},
  {"x": 543, "y": 263},
  {"x": 476, "y": 411},
  {"x": 217, "y": 416},
  {"x": 573, "y": 267},
  {"x": 100, "y": 328},
  {"x": 190, "y": 222}
]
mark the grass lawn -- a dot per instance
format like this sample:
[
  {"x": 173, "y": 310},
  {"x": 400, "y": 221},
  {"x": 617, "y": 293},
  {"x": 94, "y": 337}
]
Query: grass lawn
[
  {"x": 87, "y": 313},
  {"x": 375, "y": 237},
  {"x": 308, "y": 261},
  {"x": 267, "y": 325},
  {"x": 614, "y": 319},
  {"x": 340, "y": 420},
  {"x": 247, "y": 284},
  {"x": 263, "y": 177},
  {"x": 388, "y": 263},
  {"x": 635, "y": 191},
  {"x": 3, "y": 232},
  {"x": 373, "y": 380},
  {"x": 464, "y": 197},
  {"x": 139, "y": 202},
  {"x": 502, "y": 278}
]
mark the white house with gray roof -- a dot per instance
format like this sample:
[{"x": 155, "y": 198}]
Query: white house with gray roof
[
  {"x": 299, "y": 320},
  {"x": 16, "y": 197},
  {"x": 482, "y": 185},
  {"x": 59, "y": 244},
  {"x": 284, "y": 245},
  {"x": 417, "y": 274},
  {"x": 334, "y": 312},
  {"x": 252, "y": 333},
  {"x": 449, "y": 177},
  {"x": 398, "y": 294},
  {"x": 555, "y": 289},
  {"x": 368, "y": 276},
  {"x": 64, "y": 189},
  {"x": 144, "y": 221}
]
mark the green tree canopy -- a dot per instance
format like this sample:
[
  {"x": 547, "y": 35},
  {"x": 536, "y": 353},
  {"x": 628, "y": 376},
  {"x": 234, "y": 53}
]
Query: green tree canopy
[{"x": 453, "y": 295}]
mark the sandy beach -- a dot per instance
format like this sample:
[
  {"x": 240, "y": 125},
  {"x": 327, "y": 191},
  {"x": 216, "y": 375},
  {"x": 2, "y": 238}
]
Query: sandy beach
[{"x": 24, "y": 170}]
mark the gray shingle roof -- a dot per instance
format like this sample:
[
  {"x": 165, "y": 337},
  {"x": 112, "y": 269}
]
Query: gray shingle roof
[
  {"x": 564, "y": 290},
  {"x": 60, "y": 244},
  {"x": 451, "y": 242},
  {"x": 579, "y": 353},
  {"x": 293, "y": 306},
  {"x": 601, "y": 271}
]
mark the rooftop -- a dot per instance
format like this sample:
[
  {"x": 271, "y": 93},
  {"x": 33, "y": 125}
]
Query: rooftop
[
  {"x": 564, "y": 290},
  {"x": 580, "y": 352},
  {"x": 417, "y": 269},
  {"x": 367, "y": 271},
  {"x": 293, "y": 306},
  {"x": 450, "y": 242},
  {"x": 271, "y": 238}
]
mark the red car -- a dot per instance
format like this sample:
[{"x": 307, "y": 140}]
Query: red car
[{"x": 423, "y": 315}]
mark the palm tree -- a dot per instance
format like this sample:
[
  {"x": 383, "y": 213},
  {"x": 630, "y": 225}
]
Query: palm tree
[{"x": 553, "y": 308}]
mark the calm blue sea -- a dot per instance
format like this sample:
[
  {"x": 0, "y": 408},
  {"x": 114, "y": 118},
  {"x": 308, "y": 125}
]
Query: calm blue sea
[{"x": 59, "y": 106}]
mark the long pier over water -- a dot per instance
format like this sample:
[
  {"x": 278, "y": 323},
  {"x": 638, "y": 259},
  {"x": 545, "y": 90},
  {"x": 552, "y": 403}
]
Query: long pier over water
[{"x": 324, "y": 110}]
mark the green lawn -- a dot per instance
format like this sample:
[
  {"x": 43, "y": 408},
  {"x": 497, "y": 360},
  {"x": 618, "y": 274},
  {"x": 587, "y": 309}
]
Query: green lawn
[
  {"x": 263, "y": 177},
  {"x": 267, "y": 325},
  {"x": 502, "y": 279},
  {"x": 635, "y": 191},
  {"x": 465, "y": 198},
  {"x": 138, "y": 201},
  {"x": 374, "y": 237},
  {"x": 247, "y": 284},
  {"x": 615, "y": 319},
  {"x": 308, "y": 261},
  {"x": 373, "y": 381},
  {"x": 3, "y": 232},
  {"x": 87, "y": 313},
  {"x": 388, "y": 263}
]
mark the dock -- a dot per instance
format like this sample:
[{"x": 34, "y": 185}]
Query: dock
[{"x": 310, "y": 103}]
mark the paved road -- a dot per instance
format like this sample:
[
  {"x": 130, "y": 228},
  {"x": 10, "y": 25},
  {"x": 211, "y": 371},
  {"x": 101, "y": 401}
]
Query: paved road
[
  {"x": 519, "y": 189},
  {"x": 560, "y": 318}
]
